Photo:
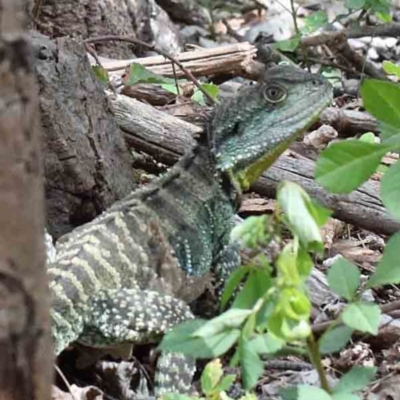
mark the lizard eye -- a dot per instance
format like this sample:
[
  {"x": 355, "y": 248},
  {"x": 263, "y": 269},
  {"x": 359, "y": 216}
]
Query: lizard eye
[{"x": 275, "y": 93}]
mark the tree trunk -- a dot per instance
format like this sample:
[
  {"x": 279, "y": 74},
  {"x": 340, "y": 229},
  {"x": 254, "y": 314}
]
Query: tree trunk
[{"x": 25, "y": 347}]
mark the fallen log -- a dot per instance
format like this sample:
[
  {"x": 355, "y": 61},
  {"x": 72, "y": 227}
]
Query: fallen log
[{"x": 166, "y": 137}]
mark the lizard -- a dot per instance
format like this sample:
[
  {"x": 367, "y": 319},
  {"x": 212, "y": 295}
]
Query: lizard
[{"x": 128, "y": 275}]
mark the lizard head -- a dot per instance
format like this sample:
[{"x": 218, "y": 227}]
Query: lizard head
[{"x": 251, "y": 130}]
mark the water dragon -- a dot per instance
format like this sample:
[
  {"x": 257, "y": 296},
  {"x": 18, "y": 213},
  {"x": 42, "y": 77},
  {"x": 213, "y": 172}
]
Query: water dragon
[{"x": 128, "y": 276}]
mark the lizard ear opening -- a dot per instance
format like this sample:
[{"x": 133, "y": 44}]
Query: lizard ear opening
[{"x": 275, "y": 93}]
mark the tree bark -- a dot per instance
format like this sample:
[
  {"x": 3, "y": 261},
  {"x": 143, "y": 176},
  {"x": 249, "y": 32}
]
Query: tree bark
[
  {"x": 87, "y": 163},
  {"x": 25, "y": 346}
]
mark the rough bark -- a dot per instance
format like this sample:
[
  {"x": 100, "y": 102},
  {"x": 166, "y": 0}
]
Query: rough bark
[
  {"x": 25, "y": 346},
  {"x": 170, "y": 137},
  {"x": 143, "y": 19},
  {"x": 87, "y": 163}
]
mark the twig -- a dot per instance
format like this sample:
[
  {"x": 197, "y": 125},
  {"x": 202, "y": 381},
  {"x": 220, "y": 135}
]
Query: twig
[
  {"x": 232, "y": 32},
  {"x": 62, "y": 376},
  {"x": 315, "y": 358},
  {"x": 333, "y": 64},
  {"x": 152, "y": 48},
  {"x": 389, "y": 30},
  {"x": 320, "y": 328},
  {"x": 337, "y": 42}
]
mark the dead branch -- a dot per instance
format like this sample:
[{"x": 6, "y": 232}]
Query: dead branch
[{"x": 234, "y": 58}]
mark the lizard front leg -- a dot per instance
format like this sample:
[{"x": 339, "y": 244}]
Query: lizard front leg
[{"x": 141, "y": 316}]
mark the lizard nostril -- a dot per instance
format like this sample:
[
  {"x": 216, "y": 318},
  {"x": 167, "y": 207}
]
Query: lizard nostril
[{"x": 316, "y": 82}]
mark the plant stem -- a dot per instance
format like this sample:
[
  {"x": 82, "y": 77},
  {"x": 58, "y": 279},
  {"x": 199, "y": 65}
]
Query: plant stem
[{"x": 315, "y": 358}]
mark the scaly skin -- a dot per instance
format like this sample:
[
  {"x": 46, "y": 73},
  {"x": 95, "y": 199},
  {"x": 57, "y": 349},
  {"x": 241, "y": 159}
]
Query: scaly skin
[{"x": 127, "y": 276}]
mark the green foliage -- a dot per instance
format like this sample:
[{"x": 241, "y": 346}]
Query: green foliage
[
  {"x": 210, "y": 88},
  {"x": 212, "y": 380},
  {"x": 382, "y": 99},
  {"x": 388, "y": 269},
  {"x": 368, "y": 137},
  {"x": 379, "y": 7},
  {"x": 334, "y": 339},
  {"x": 390, "y": 189},
  {"x": 289, "y": 45},
  {"x": 355, "y": 380},
  {"x": 354, "y": 159},
  {"x": 363, "y": 317},
  {"x": 252, "y": 232},
  {"x": 314, "y": 22},
  {"x": 355, "y": 4},
  {"x": 304, "y": 215},
  {"x": 101, "y": 74},
  {"x": 139, "y": 74},
  {"x": 251, "y": 365},
  {"x": 265, "y": 303},
  {"x": 391, "y": 68},
  {"x": 306, "y": 392},
  {"x": 344, "y": 278}
]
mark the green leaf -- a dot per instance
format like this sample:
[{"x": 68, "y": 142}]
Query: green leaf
[
  {"x": 225, "y": 383},
  {"x": 379, "y": 7},
  {"x": 198, "y": 97},
  {"x": 219, "y": 344},
  {"x": 290, "y": 393},
  {"x": 257, "y": 283},
  {"x": 211, "y": 89},
  {"x": 101, "y": 74},
  {"x": 180, "y": 340},
  {"x": 176, "y": 396},
  {"x": 232, "y": 318},
  {"x": 390, "y": 135},
  {"x": 139, "y": 74},
  {"x": 390, "y": 189},
  {"x": 363, "y": 317},
  {"x": 385, "y": 17},
  {"x": 345, "y": 396},
  {"x": 354, "y": 4},
  {"x": 307, "y": 392},
  {"x": 289, "y": 45},
  {"x": 232, "y": 283},
  {"x": 352, "y": 159},
  {"x": 354, "y": 380},
  {"x": 304, "y": 264},
  {"x": 382, "y": 99},
  {"x": 211, "y": 375},
  {"x": 251, "y": 232},
  {"x": 170, "y": 87},
  {"x": 335, "y": 339},
  {"x": 344, "y": 278},
  {"x": 251, "y": 364},
  {"x": 391, "y": 68},
  {"x": 294, "y": 201},
  {"x": 388, "y": 269},
  {"x": 320, "y": 213},
  {"x": 368, "y": 137},
  {"x": 266, "y": 344},
  {"x": 314, "y": 21}
]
